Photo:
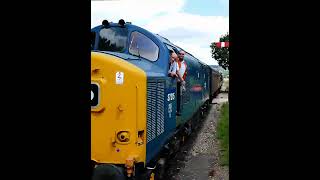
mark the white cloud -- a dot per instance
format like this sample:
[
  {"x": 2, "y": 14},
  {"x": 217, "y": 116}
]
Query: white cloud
[
  {"x": 132, "y": 10},
  {"x": 192, "y": 32}
]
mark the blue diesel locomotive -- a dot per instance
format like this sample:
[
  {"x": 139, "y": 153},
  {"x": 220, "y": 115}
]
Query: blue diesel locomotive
[{"x": 134, "y": 124}]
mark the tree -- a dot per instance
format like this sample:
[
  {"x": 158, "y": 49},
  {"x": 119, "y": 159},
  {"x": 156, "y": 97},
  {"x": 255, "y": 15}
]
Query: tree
[{"x": 221, "y": 54}]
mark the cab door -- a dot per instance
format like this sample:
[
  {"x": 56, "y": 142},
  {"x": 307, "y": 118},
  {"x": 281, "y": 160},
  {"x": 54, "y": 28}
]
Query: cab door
[{"x": 173, "y": 98}]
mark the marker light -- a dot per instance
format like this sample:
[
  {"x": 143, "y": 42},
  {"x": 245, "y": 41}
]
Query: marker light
[
  {"x": 121, "y": 22},
  {"x": 105, "y": 23}
]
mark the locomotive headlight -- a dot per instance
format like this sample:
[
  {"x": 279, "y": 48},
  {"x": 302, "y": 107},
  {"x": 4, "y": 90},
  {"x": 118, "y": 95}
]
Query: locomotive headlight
[
  {"x": 123, "y": 136},
  {"x": 92, "y": 95}
]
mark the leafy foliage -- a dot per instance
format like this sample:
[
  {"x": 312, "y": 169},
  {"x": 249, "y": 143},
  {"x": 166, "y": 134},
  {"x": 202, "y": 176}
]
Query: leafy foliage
[{"x": 221, "y": 54}]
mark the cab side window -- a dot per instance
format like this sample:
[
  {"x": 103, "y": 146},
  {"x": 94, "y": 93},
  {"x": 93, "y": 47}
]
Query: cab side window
[
  {"x": 141, "y": 45},
  {"x": 169, "y": 48},
  {"x": 172, "y": 48}
]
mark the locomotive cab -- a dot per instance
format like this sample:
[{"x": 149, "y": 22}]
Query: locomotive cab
[
  {"x": 118, "y": 105},
  {"x": 129, "y": 82}
]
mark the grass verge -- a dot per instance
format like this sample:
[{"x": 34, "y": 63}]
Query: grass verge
[{"x": 223, "y": 134}]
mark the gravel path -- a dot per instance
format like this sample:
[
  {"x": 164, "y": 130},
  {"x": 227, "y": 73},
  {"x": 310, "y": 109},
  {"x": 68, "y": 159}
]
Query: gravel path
[{"x": 198, "y": 158}]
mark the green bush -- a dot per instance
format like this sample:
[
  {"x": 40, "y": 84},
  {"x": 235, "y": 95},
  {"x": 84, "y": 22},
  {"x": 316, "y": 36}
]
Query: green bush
[{"x": 223, "y": 134}]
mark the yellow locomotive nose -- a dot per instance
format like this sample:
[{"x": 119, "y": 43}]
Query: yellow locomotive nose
[{"x": 118, "y": 116}]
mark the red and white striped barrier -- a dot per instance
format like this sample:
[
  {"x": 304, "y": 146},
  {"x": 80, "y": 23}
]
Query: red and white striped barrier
[{"x": 222, "y": 44}]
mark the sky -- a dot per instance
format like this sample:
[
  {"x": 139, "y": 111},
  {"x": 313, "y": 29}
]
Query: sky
[{"x": 190, "y": 24}]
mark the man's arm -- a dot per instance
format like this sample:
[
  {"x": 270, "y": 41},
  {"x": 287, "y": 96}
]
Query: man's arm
[
  {"x": 182, "y": 70},
  {"x": 178, "y": 72},
  {"x": 173, "y": 72},
  {"x": 179, "y": 76}
]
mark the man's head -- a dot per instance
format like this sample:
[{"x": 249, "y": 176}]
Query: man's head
[
  {"x": 173, "y": 56},
  {"x": 181, "y": 55}
]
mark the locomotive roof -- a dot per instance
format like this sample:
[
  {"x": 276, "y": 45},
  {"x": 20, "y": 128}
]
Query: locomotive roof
[{"x": 161, "y": 38}]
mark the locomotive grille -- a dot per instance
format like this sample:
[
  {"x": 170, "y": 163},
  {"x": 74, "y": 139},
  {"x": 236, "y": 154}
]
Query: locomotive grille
[{"x": 155, "y": 109}]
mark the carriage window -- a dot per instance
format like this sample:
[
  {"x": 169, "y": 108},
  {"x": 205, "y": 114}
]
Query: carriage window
[
  {"x": 141, "y": 45},
  {"x": 113, "y": 39}
]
